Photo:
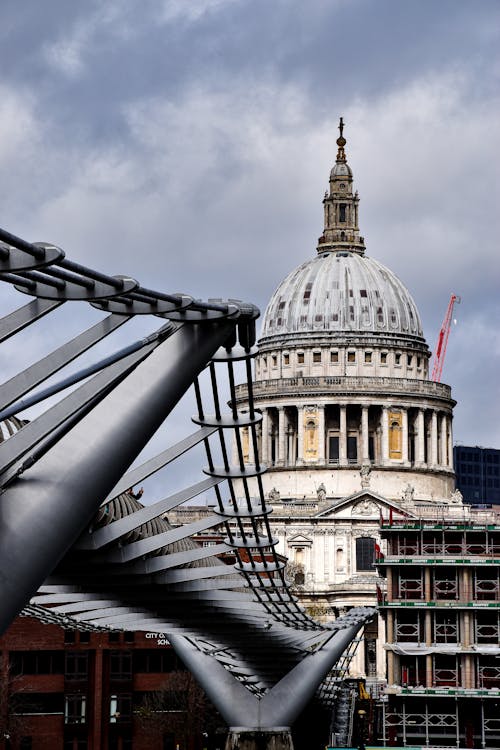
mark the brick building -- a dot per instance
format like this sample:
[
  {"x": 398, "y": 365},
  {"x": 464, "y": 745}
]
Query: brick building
[{"x": 65, "y": 689}]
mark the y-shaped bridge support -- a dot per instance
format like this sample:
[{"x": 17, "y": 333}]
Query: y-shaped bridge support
[{"x": 263, "y": 723}]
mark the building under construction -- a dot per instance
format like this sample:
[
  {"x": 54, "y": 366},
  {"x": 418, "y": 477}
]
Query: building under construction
[{"x": 442, "y": 611}]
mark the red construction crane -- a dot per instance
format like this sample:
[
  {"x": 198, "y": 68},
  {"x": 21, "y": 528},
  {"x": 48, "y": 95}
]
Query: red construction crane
[{"x": 442, "y": 341}]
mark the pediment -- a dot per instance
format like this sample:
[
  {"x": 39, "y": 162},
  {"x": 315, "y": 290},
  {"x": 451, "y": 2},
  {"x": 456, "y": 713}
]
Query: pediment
[
  {"x": 363, "y": 504},
  {"x": 299, "y": 540}
]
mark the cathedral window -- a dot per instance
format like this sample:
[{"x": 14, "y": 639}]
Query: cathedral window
[
  {"x": 300, "y": 358},
  {"x": 275, "y": 360},
  {"x": 334, "y": 357},
  {"x": 368, "y": 357},
  {"x": 342, "y": 212},
  {"x": 316, "y": 357},
  {"x": 286, "y": 359},
  {"x": 383, "y": 358},
  {"x": 397, "y": 359},
  {"x": 351, "y": 356},
  {"x": 352, "y": 449},
  {"x": 409, "y": 360},
  {"x": 365, "y": 553}
]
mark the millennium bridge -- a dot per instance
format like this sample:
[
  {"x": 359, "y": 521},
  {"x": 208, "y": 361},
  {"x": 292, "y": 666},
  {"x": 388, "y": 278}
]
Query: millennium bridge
[{"x": 77, "y": 542}]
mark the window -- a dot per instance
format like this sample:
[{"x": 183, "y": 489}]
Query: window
[
  {"x": 365, "y": 553},
  {"x": 397, "y": 359},
  {"x": 129, "y": 636},
  {"x": 368, "y": 357},
  {"x": 120, "y": 665},
  {"x": 333, "y": 449},
  {"x": 342, "y": 212},
  {"x": 114, "y": 637},
  {"x": 300, "y": 358},
  {"x": 352, "y": 449},
  {"x": 85, "y": 637},
  {"x": 157, "y": 661},
  {"x": 351, "y": 356},
  {"x": 286, "y": 359},
  {"x": 409, "y": 360},
  {"x": 120, "y": 708},
  {"x": 76, "y": 667},
  {"x": 37, "y": 662},
  {"x": 316, "y": 356},
  {"x": 37, "y": 703},
  {"x": 70, "y": 636},
  {"x": 75, "y": 709},
  {"x": 334, "y": 357},
  {"x": 274, "y": 360},
  {"x": 383, "y": 358}
]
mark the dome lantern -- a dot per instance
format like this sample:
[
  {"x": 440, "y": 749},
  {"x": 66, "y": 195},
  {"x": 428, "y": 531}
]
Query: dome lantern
[{"x": 341, "y": 230}]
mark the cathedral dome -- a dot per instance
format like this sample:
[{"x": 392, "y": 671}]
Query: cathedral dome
[{"x": 341, "y": 292}]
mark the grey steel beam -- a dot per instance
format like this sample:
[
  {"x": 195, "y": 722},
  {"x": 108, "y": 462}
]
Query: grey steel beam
[
  {"x": 24, "y": 316},
  {"x": 12, "y": 450},
  {"x": 174, "y": 559},
  {"x": 41, "y": 517},
  {"x": 152, "y": 544},
  {"x": 20, "y": 384},
  {"x": 113, "y": 531},
  {"x": 233, "y": 701},
  {"x": 133, "y": 477},
  {"x": 281, "y": 705}
]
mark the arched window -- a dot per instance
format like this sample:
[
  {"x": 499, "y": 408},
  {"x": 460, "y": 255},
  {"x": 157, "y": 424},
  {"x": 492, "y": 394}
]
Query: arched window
[
  {"x": 342, "y": 212},
  {"x": 365, "y": 553}
]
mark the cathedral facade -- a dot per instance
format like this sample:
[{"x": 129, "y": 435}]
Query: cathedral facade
[{"x": 351, "y": 424}]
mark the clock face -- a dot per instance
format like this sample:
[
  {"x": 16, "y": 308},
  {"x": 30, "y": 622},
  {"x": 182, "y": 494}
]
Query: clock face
[{"x": 342, "y": 186}]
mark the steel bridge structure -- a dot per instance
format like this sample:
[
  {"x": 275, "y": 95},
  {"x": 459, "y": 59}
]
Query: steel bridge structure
[{"x": 75, "y": 539}]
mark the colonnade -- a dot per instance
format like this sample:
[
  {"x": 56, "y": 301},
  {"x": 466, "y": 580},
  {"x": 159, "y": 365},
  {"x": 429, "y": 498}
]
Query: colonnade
[{"x": 345, "y": 434}]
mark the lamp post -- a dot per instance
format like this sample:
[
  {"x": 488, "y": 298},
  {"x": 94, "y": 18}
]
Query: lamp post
[{"x": 361, "y": 729}]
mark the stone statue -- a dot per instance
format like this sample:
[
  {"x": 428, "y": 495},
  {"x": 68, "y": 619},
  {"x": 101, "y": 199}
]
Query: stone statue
[
  {"x": 321, "y": 492},
  {"x": 274, "y": 495},
  {"x": 456, "y": 497},
  {"x": 365, "y": 476},
  {"x": 408, "y": 494}
]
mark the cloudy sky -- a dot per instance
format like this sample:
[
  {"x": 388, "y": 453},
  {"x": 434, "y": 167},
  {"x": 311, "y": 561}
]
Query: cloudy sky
[{"x": 188, "y": 143}]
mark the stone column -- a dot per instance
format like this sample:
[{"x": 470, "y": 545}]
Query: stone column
[
  {"x": 385, "y": 435},
  {"x": 427, "y": 585},
  {"x": 343, "y": 436},
  {"x": 404, "y": 436},
  {"x": 300, "y": 433},
  {"x": 281, "y": 436},
  {"x": 264, "y": 441},
  {"x": 443, "y": 459},
  {"x": 389, "y": 587},
  {"x": 390, "y": 654},
  {"x": 420, "y": 438},
  {"x": 450, "y": 442},
  {"x": 434, "y": 440},
  {"x": 428, "y": 628},
  {"x": 365, "y": 453},
  {"x": 321, "y": 434}
]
